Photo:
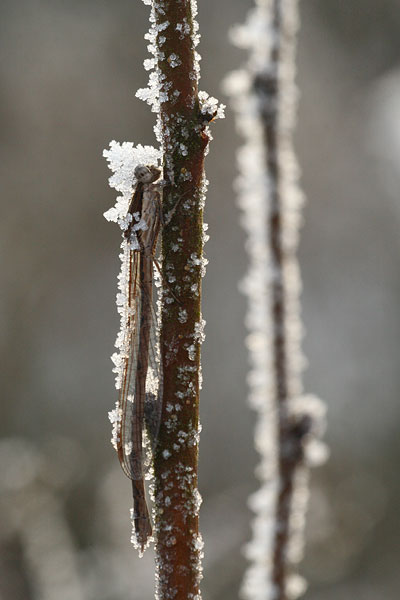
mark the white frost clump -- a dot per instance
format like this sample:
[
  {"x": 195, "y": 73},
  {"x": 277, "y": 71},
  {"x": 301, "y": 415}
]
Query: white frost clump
[
  {"x": 199, "y": 334},
  {"x": 122, "y": 160},
  {"x": 174, "y": 60},
  {"x": 191, "y": 352},
  {"x": 210, "y": 106},
  {"x": 156, "y": 91}
]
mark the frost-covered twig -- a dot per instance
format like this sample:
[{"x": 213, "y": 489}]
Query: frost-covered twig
[
  {"x": 184, "y": 134},
  {"x": 182, "y": 130},
  {"x": 263, "y": 95}
]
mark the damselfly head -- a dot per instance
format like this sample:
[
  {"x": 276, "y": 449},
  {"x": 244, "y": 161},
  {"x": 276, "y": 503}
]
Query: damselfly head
[{"x": 147, "y": 173}]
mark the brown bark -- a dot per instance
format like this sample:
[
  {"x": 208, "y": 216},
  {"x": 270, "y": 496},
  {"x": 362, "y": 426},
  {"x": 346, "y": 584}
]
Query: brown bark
[{"x": 184, "y": 139}]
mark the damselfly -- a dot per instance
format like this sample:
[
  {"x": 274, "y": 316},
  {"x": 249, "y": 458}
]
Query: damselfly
[{"x": 137, "y": 415}]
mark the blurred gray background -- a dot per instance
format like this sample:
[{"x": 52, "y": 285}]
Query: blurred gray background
[{"x": 69, "y": 71}]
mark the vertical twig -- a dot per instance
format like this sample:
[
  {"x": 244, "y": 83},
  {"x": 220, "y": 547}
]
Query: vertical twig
[
  {"x": 268, "y": 88},
  {"x": 264, "y": 97},
  {"x": 183, "y": 131}
]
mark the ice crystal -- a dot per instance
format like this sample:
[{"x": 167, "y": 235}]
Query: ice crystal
[
  {"x": 192, "y": 352},
  {"x": 210, "y": 106},
  {"x": 182, "y": 316},
  {"x": 199, "y": 334},
  {"x": 199, "y": 261},
  {"x": 174, "y": 60},
  {"x": 205, "y": 237},
  {"x": 115, "y": 418}
]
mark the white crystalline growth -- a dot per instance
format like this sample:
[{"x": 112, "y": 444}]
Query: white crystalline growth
[
  {"x": 199, "y": 334},
  {"x": 122, "y": 160},
  {"x": 115, "y": 417},
  {"x": 210, "y": 106},
  {"x": 155, "y": 92}
]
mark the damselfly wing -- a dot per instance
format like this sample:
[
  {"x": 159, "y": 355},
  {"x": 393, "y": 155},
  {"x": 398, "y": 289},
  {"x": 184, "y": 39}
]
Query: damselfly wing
[{"x": 140, "y": 398}]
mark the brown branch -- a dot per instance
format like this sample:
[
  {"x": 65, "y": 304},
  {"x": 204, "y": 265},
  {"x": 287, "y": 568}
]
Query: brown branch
[
  {"x": 184, "y": 141},
  {"x": 269, "y": 86}
]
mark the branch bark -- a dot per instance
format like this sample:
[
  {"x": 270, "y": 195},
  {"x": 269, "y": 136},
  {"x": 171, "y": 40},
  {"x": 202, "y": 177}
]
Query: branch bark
[{"x": 184, "y": 137}]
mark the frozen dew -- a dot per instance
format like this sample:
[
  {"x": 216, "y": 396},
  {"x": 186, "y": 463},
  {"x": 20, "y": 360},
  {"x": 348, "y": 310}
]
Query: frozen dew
[
  {"x": 198, "y": 542},
  {"x": 134, "y": 541},
  {"x": 149, "y": 64},
  {"x": 183, "y": 28},
  {"x": 128, "y": 448},
  {"x": 192, "y": 352},
  {"x": 182, "y": 315},
  {"x": 174, "y": 61},
  {"x": 162, "y": 26},
  {"x": 163, "y": 97},
  {"x": 199, "y": 334},
  {"x": 210, "y": 107},
  {"x": 115, "y": 418},
  {"x": 199, "y": 261},
  {"x": 206, "y": 237},
  {"x": 171, "y": 541}
]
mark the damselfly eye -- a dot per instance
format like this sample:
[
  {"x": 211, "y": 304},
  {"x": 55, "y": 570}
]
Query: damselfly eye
[
  {"x": 147, "y": 173},
  {"x": 141, "y": 172}
]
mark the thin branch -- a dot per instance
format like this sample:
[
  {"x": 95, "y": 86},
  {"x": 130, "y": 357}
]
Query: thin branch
[{"x": 183, "y": 133}]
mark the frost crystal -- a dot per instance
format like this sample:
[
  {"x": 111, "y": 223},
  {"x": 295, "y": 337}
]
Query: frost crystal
[
  {"x": 201, "y": 262},
  {"x": 192, "y": 352},
  {"x": 174, "y": 60},
  {"x": 182, "y": 317},
  {"x": 210, "y": 106},
  {"x": 199, "y": 334},
  {"x": 115, "y": 417}
]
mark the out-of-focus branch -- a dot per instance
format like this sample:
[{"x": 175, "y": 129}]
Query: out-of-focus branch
[{"x": 264, "y": 97}]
